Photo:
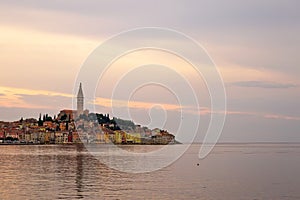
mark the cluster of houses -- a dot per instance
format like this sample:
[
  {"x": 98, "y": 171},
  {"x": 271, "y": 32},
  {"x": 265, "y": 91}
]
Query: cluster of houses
[
  {"x": 80, "y": 126},
  {"x": 66, "y": 128}
]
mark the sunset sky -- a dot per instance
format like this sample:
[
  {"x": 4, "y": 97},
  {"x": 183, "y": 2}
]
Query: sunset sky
[{"x": 254, "y": 44}]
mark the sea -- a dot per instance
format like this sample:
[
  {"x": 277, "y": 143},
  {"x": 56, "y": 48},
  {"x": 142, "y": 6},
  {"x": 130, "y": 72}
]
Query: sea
[{"x": 230, "y": 171}]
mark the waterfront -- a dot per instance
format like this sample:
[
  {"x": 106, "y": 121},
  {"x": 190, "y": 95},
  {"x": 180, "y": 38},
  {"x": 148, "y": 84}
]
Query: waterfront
[{"x": 231, "y": 171}]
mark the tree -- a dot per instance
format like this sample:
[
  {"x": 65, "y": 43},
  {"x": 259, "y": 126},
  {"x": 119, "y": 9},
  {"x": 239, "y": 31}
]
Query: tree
[
  {"x": 48, "y": 118},
  {"x": 64, "y": 117},
  {"x": 40, "y": 122}
]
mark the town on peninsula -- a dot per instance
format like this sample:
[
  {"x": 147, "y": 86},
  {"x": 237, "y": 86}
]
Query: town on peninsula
[{"x": 81, "y": 127}]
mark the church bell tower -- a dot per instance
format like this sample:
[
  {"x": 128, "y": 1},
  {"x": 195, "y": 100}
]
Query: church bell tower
[{"x": 80, "y": 100}]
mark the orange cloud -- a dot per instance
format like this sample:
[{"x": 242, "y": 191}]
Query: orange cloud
[
  {"x": 11, "y": 97},
  {"x": 134, "y": 104}
]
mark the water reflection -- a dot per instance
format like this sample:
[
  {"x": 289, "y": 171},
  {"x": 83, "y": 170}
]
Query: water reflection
[
  {"x": 79, "y": 171},
  {"x": 230, "y": 172}
]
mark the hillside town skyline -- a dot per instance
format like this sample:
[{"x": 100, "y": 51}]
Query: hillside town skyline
[{"x": 80, "y": 126}]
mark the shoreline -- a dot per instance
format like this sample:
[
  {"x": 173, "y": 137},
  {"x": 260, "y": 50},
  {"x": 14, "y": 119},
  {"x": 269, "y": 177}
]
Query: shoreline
[{"x": 35, "y": 144}]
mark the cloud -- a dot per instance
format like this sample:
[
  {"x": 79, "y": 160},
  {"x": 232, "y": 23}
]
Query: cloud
[
  {"x": 135, "y": 104},
  {"x": 285, "y": 117},
  {"x": 265, "y": 116},
  {"x": 19, "y": 91},
  {"x": 264, "y": 84},
  {"x": 28, "y": 98},
  {"x": 108, "y": 103}
]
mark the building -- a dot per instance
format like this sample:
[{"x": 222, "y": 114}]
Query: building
[
  {"x": 66, "y": 115},
  {"x": 69, "y": 115},
  {"x": 80, "y": 100}
]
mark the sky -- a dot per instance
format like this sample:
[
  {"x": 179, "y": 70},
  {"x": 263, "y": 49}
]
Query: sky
[{"x": 254, "y": 44}]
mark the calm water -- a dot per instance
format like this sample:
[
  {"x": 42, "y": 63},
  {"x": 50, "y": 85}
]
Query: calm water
[{"x": 239, "y": 171}]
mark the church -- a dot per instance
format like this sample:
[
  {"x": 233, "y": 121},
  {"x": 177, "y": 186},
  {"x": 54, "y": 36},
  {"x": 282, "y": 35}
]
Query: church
[
  {"x": 80, "y": 99},
  {"x": 71, "y": 114}
]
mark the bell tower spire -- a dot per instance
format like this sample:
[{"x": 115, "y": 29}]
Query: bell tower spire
[{"x": 80, "y": 100}]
